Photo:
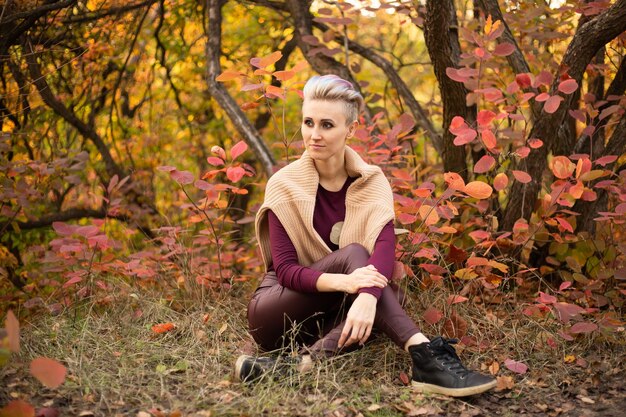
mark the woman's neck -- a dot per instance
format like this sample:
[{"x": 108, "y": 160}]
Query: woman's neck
[{"x": 332, "y": 174}]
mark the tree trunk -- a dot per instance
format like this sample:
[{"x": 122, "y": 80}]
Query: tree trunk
[{"x": 440, "y": 29}]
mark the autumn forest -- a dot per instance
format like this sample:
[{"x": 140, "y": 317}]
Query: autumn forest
[{"x": 136, "y": 140}]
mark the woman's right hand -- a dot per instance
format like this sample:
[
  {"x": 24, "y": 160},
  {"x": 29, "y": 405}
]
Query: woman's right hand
[{"x": 365, "y": 277}]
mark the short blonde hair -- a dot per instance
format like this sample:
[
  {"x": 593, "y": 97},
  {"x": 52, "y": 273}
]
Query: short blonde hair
[{"x": 334, "y": 88}]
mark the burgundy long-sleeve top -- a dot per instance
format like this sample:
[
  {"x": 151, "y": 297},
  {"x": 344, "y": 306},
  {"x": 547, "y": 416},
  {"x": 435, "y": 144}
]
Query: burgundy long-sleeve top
[{"x": 330, "y": 208}]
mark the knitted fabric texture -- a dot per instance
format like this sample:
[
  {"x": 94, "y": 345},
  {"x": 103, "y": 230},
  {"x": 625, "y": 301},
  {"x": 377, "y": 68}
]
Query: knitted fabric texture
[{"x": 290, "y": 195}]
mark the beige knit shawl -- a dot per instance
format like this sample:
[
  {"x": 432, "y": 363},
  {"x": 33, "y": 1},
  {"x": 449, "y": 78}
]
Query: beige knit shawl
[{"x": 290, "y": 194}]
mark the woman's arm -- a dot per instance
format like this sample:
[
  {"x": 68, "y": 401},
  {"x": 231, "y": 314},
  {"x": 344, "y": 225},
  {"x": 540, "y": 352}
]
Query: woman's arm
[
  {"x": 299, "y": 278},
  {"x": 383, "y": 257}
]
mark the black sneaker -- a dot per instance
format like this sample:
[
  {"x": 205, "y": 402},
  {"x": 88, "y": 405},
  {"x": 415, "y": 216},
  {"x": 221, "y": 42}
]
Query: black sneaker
[
  {"x": 438, "y": 369},
  {"x": 252, "y": 369}
]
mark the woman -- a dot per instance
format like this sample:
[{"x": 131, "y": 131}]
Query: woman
[{"x": 326, "y": 234}]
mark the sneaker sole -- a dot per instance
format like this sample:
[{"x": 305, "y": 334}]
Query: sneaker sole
[
  {"x": 452, "y": 392},
  {"x": 238, "y": 364}
]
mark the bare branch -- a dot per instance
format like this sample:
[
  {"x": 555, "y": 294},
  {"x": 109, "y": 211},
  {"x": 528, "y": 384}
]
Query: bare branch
[
  {"x": 217, "y": 90},
  {"x": 398, "y": 83}
]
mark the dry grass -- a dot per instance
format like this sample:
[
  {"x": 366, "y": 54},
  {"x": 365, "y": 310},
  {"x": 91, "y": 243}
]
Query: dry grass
[{"x": 117, "y": 365}]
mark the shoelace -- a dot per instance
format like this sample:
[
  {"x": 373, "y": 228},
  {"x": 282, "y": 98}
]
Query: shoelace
[{"x": 448, "y": 356}]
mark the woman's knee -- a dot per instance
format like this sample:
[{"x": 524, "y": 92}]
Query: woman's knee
[{"x": 356, "y": 256}]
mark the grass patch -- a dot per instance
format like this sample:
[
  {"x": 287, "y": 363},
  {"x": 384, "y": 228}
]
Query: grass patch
[{"x": 118, "y": 365}]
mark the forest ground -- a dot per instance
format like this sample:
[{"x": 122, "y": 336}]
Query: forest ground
[{"x": 118, "y": 366}]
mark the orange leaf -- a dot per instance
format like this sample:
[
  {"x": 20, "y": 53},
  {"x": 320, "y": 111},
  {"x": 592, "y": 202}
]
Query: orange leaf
[
  {"x": 163, "y": 327},
  {"x": 284, "y": 75},
  {"x": 235, "y": 173},
  {"x": 17, "y": 408},
  {"x": 275, "y": 91},
  {"x": 432, "y": 315},
  {"x": 478, "y": 189},
  {"x": 237, "y": 149},
  {"x": 428, "y": 214},
  {"x": 500, "y": 181},
  {"x": 484, "y": 164},
  {"x": 504, "y": 383},
  {"x": 48, "y": 371},
  {"x": 454, "y": 180},
  {"x": 568, "y": 86},
  {"x": 266, "y": 61},
  {"x": 562, "y": 167},
  {"x": 227, "y": 76},
  {"x": 522, "y": 176},
  {"x": 489, "y": 139},
  {"x": 13, "y": 331}
]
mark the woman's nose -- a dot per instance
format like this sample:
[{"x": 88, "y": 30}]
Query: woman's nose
[{"x": 315, "y": 134}]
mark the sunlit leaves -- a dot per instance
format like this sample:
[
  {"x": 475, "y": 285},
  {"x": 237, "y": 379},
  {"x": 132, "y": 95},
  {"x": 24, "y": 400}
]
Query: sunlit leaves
[
  {"x": 500, "y": 181},
  {"x": 266, "y": 61},
  {"x": 238, "y": 149},
  {"x": 562, "y": 167}
]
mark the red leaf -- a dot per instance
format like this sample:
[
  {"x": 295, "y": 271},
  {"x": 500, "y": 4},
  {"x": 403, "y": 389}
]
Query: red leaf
[
  {"x": 166, "y": 168},
  {"x": 48, "y": 371},
  {"x": 465, "y": 136},
  {"x": 454, "y": 75},
  {"x": 237, "y": 149},
  {"x": 489, "y": 139},
  {"x": 203, "y": 185},
  {"x": 63, "y": 229},
  {"x": 215, "y": 161},
  {"x": 566, "y": 311},
  {"x": 568, "y": 86},
  {"x": 485, "y": 117},
  {"x": 535, "y": 143},
  {"x": 163, "y": 328},
  {"x": 13, "y": 331},
  {"x": 605, "y": 160},
  {"x": 235, "y": 173},
  {"x": 17, "y": 408},
  {"x": 565, "y": 285},
  {"x": 522, "y": 151},
  {"x": 583, "y": 327},
  {"x": 454, "y": 299},
  {"x": 500, "y": 181},
  {"x": 515, "y": 366},
  {"x": 522, "y": 176},
  {"x": 552, "y": 104},
  {"x": 504, "y": 49},
  {"x": 456, "y": 255},
  {"x": 523, "y": 80},
  {"x": 544, "y": 78},
  {"x": 546, "y": 298},
  {"x": 432, "y": 315},
  {"x": 454, "y": 180},
  {"x": 182, "y": 177},
  {"x": 542, "y": 97},
  {"x": 565, "y": 224},
  {"x": 47, "y": 412},
  {"x": 484, "y": 164},
  {"x": 252, "y": 87},
  {"x": 404, "y": 378},
  {"x": 433, "y": 269},
  {"x": 398, "y": 271},
  {"x": 72, "y": 281}
]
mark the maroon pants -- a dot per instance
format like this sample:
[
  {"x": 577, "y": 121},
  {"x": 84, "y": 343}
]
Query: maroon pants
[{"x": 280, "y": 317}]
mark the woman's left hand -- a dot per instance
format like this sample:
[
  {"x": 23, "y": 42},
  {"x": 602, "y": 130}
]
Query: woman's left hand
[{"x": 359, "y": 321}]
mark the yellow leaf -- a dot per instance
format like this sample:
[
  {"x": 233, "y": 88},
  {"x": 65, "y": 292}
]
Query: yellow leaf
[
  {"x": 223, "y": 328},
  {"x": 465, "y": 273},
  {"x": 488, "y": 25},
  {"x": 569, "y": 358},
  {"x": 501, "y": 267}
]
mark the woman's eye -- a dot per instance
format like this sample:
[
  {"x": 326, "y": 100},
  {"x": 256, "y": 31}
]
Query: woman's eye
[
  {"x": 308, "y": 123},
  {"x": 327, "y": 125}
]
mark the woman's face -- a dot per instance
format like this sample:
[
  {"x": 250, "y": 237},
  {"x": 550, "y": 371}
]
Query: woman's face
[{"x": 324, "y": 129}]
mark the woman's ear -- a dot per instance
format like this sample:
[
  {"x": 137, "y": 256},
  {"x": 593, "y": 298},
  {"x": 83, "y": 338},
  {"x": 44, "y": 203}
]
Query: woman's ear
[{"x": 352, "y": 128}]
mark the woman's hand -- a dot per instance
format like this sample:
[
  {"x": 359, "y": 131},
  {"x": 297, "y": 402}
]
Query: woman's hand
[
  {"x": 359, "y": 321},
  {"x": 364, "y": 277}
]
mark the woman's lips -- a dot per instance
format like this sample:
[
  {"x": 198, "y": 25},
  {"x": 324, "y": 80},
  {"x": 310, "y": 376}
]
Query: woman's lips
[{"x": 313, "y": 146}]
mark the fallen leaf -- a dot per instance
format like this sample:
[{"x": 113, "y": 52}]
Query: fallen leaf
[
  {"x": 13, "y": 331},
  {"x": 163, "y": 327},
  {"x": 515, "y": 366},
  {"x": 374, "y": 407},
  {"x": 504, "y": 383},
  {"x": 17, "y": 408},
  {"x": 569, "y": 358},
  {"x": 223, "y": 328},
  {"x": 404, "y": 378},
  {"x": 494, "y": 368},
  {"x": 48, "y": 371}
]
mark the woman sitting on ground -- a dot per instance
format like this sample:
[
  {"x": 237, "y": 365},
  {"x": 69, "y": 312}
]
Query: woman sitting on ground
[{"x": 326, "y": 234}]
